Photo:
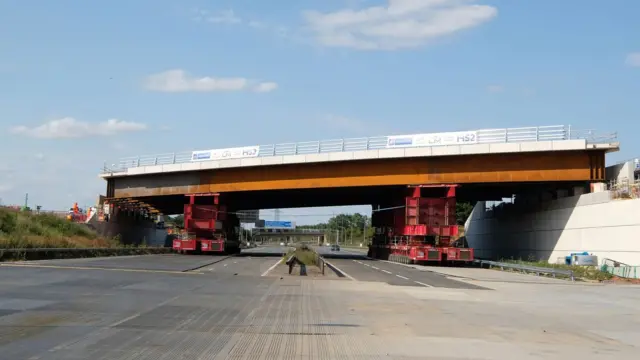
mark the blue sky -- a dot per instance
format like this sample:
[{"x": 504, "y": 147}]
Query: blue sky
[{"x": 293, "y": 71}]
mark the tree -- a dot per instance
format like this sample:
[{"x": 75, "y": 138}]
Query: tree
[
  {"x": 463, "y": 211},
  {"x": 350, "y": 227},
  {"x": 177, "y": 220}
]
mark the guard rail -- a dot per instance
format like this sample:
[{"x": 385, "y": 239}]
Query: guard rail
[
  {"x": 485, "y": 136},
  {"x": 527, "y": 268}
]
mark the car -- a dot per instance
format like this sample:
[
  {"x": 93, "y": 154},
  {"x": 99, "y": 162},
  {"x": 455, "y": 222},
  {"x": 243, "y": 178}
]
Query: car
[{"x": 335, "y": 247}]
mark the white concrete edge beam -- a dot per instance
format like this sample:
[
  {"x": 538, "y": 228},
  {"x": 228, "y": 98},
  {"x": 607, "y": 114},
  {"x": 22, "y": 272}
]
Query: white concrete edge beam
[{"x": 449, "y": 150}]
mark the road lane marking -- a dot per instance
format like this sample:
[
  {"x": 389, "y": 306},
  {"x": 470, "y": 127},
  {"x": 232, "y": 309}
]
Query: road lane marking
[
  {"x": 225, "y": 264},
  {"x": 423, "y": 284},
  {"x": 373, "y": 267},
  {"x": 367, "y": 265},
  {"x": 388, "y": 272},
  {"x": 402, "y": 277},
  {"x": 272, "y": 267}
]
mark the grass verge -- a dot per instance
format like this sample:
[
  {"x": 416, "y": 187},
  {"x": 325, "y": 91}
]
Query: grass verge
[
  {"x": 304, "y": 254},
  {"x": 25, "y": 230},
  {"x": 579, "y": 272},
  {"x": 28, "y": 236}
]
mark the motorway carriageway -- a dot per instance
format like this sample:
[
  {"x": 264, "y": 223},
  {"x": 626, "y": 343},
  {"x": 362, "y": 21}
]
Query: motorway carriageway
[
  {"x": 243, "y": 307},
  {"x": 356, "y": 266}
]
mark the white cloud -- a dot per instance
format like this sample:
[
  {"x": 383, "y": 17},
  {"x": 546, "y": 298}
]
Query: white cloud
[
  {"x": 495, "y": 88},
  {"x": 224, "y": 17},
  {"x": 633, "y": 59},
  {"x": 5, "y": 188},
  {"x": 399, "y": 24},
  {"x": 230, "y": 18},
  {"x": 265, "y": 87},
  {"x": 71, "y": 128},
  {"x": 178, "y": 80},
  {"x": 219, "y": 17}
]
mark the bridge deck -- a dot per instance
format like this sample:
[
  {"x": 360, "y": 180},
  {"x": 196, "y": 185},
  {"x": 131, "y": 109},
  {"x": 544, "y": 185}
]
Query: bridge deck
[{"x": 155, "y": 166}]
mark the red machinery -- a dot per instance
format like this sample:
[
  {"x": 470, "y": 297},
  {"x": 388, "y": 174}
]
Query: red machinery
[
  {"x": 421, "y": 229},
  {"x": 208, "y": 227}
]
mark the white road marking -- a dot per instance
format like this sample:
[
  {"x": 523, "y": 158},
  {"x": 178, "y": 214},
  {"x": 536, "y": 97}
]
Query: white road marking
[
  {"x": 367, "y": 265},
  {"x": 423, "y": 284},
  {"x": 373, "y": 267},
  {"x": 402, "y": 277},
  {"x": 226, "y": 264},
  {"x": 388, "y": 272},
  {"x": 272, "y": 267}
]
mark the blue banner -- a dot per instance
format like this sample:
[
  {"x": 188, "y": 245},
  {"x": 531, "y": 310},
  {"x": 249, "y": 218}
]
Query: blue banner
[{"x": 279, "y": 225}]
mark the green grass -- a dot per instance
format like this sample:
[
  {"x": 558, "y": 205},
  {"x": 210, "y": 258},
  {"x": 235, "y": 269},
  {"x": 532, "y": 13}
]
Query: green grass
[
  {"x": 21, "y": 230},
  {"x": 304, "y": 254},
  {"x": 579, "y": 272}
]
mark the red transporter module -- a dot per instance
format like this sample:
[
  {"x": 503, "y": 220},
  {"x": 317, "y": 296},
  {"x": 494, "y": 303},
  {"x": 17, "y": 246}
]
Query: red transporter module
[
  {"x": 208, "y": 227},
  {"x": 421, "y": 229}
]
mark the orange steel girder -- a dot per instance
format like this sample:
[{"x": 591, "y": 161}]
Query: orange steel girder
[{"x": 496, "y": 168}]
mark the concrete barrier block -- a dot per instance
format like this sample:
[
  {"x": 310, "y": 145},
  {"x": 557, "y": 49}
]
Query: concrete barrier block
[
  {"x": 190, "y": 166},
  {"x": 294, "y": 159},
  {"x": 475, "y": 149},
  {"x": 136, "y": 170},
  {"x": 341, "y": 156},
  {"x": 171, "y": 167},
  {"x": 390, "y": 153},
  {"x": 209, "y": 165},
  {"x": 153, "y": 169},
  {"x": 418, "y": 152},
  {"x": 536, "y": 146},
  {"x": 504, "y": 148},
  {"x": 230, "y": 163},
  {"x": 251, "y": 161},
  {"x": 569, "y": 144},
  {"x": 272, "y": 160},
  {"x": 317, "y": 157},
  {"x": 365, "y": 154},
  {"x": 446, "y": 150}
]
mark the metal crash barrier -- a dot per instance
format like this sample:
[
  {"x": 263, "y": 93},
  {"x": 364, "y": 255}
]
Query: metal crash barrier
[{"x": 527, "y": 268}]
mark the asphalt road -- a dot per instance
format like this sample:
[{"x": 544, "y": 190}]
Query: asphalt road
[
  {"x": 343, "y": 252},
  {"x": 395, "y": 274},
  {"x": 138, "y": 307},
  {"x": 167, "y": 307}
]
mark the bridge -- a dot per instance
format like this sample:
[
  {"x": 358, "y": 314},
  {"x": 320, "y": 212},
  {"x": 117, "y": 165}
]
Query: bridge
[{"x": 490, "y": 164}]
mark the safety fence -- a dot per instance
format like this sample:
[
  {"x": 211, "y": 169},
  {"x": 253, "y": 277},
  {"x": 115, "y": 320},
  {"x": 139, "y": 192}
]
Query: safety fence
[
  {"x": 624, "y": 189},
  {"x": 526, "y": 268},
  {"x": 619, "y": 269},
  {"x": 485, "y": 136}
]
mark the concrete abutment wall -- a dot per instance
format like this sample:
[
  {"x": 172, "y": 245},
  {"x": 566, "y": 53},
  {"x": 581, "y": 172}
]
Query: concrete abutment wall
[
  {"x": 131, "y": 229},
  {"x": 549, "y": 229}
]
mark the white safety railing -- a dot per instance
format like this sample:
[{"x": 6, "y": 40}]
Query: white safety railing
[{"x": 487, "y": 136}]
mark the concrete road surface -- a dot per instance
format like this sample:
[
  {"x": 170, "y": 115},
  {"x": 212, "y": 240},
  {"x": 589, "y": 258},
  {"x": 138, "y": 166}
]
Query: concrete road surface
[
  {"x": 326, "y": 250},
  {"x": 171, "y": 307}
]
